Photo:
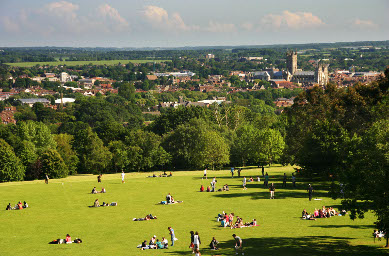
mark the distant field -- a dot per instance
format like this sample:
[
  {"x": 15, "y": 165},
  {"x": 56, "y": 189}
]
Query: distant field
[{"x": 80, "y": 63}]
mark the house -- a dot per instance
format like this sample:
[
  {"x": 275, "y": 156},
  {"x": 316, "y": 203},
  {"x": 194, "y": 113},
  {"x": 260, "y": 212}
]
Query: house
[
  {"x": 32, "y": 101},
  {"x": 151, "y": 77},
  {"x": 283, "y": 102},
  {"x": 7, "y": 115}
]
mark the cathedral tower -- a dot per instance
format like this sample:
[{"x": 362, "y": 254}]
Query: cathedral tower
[{"x": 291, "y": 61}]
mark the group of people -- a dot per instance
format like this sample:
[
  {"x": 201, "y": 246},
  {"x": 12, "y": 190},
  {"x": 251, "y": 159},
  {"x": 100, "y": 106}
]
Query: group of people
[
  {"x": 154, "y": 243},
  {"x": 227, "y": 220},
  {"x": 164, "y": 174},
  {"x": 322, "y": 213},
  {"x": 224, "y": 188},
  {"x": 94, "y": 190},
  {"x": 67, "y": 240},
  {"x": 97, "y": 204},
  {"x": 148, "y": 217},
  {"x": 233, "y": 170},
  {"x": 378, "y": 234},
  {"x": 18, "y": 206},
  {"x": 195, "y": 242}
]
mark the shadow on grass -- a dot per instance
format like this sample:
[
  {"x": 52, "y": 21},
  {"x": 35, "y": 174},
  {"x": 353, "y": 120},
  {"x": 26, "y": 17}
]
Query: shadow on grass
[
  {"x": 345, "y": 226},
  {"x": 313, "y": 245},
  {"x": 278, "y": 195}
]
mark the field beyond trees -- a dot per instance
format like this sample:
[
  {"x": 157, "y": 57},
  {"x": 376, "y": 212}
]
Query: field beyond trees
[
  {"x": 61, "y": 207},
  {"x": 80, "y": 63}
]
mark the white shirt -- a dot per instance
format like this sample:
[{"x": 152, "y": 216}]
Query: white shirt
[
  {"x": 244, "y": 180},
  {"x": 196, "y": 239},
  {"x": 123, "y": 174},
  {"x": 205, "y": 172}
]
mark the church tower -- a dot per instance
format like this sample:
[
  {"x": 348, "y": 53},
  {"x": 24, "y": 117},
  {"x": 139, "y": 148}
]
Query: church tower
[{"x": 291, "y": 61}]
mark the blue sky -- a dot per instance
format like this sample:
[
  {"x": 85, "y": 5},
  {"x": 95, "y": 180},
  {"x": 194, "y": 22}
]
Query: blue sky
[{"x": 164, "y": 23}]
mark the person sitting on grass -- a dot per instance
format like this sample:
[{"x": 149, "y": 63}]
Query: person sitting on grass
[
  {"x": 226, "y": 188},
  {"x": 165, "y": 243},
  {"x": 202, "y": 188},
  {"x": 25, "y": 205},
  {"x": 208, "y": 189},
  {"x": 96, "y": 203},
  {"x": 169, "y": 198},
  {"x": 102, "y": 190},
  {"x": 213, "y": 244},
  {"x": 94, "y": 191},
  {"x": 144, "y": 245},
  {"x": 68, "y": 239},
  {"x": 254, "y": 222},
  {"x": 9, "y": 207},
  {"x": 152, "y": 242},
  {"x": 159, "y": 245},
  {"x": 251, "y": 179},
  {"x": 20, "y": 205}
]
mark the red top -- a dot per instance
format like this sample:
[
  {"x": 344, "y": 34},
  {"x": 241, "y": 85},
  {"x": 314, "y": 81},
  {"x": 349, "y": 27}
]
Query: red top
[
  {"x": 68, "y": 239},
  {"x": 20, "y": 206}
]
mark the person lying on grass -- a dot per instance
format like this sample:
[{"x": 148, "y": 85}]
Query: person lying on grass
[{"x": 148, "y": 217}]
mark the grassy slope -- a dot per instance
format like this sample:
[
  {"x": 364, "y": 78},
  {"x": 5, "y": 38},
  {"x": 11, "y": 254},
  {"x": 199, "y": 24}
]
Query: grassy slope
[
  {"x": 75, "y": 63},
  {"x": 61, "y": 207}
]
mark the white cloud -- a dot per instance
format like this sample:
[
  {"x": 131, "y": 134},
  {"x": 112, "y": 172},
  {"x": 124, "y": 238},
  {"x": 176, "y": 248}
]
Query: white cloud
[
  {"x": 364, "y": 24},
  {"x": 159, "y": 18},
  {"x": 290, "y": 20},
  {"x": 109, "y": 13},
  {"x": 9, "y": 25},
  {"x": 247, "y": 26},
  {"x": 62, "y": 19},
  {"x": 217, "y": 27}
]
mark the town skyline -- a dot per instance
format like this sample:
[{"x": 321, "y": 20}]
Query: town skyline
[{"x": 191, "y": 23}]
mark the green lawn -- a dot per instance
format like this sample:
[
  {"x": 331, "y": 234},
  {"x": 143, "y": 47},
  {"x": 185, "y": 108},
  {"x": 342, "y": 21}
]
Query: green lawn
[
  {"x": 80, "y": 63},
  {"x": 61, "y": 207}
]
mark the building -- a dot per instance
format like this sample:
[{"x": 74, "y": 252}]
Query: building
[
  {"x": 291, "y": 62},
  {"x": 7, "y": 115},
  {"x": 209, "y": 56},
  {"x": 32, "y": 101},
  {"x": 65, "y": 77}
]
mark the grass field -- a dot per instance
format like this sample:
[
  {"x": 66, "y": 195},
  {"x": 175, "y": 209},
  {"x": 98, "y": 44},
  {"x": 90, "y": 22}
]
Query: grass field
[
  {"x": 80, "y": 63},
  {"x": 61, "y": 207}
]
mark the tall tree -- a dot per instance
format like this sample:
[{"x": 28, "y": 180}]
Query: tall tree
[{"x": 11, "y": 168}]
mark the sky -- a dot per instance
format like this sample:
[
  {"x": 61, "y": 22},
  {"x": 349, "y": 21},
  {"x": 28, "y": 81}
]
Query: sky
[{"x": 177, "y": 23}]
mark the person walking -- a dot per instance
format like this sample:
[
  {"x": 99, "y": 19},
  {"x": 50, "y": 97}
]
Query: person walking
[
  {"x": 266, "y": 182},
  {"x": 123, "y": 174},
  {"x": 47, "y": 179},
  {"x": 172, "y": 236},
  {"x": 99, "y": 178},
  {"x": 191, "y": 241},
  {"x": 272, "y": 189},
  {"x": 244, "y": 183},
  {"x": 238, "y": 244},
  {"x": 263, "y": 171},
  {"x": 284, "y": 181},
  {"x": 239, "y": 170},
  {"x": 232, "y": 172},
  {"x": 196, "y": 241},
  {"x": 205, "y": 173},
  {"x": 310, "y": 191},
  {"x": 294, "y": 180}
]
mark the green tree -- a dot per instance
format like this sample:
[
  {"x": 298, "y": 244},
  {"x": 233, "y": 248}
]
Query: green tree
[
  {"x": 365, "y": 175},
  {"x": 65, "y": 149},
  {"x": 195, "y": 145},
  {"x": 11, "y": 168},
  {"x": 52, "y": 165}
]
